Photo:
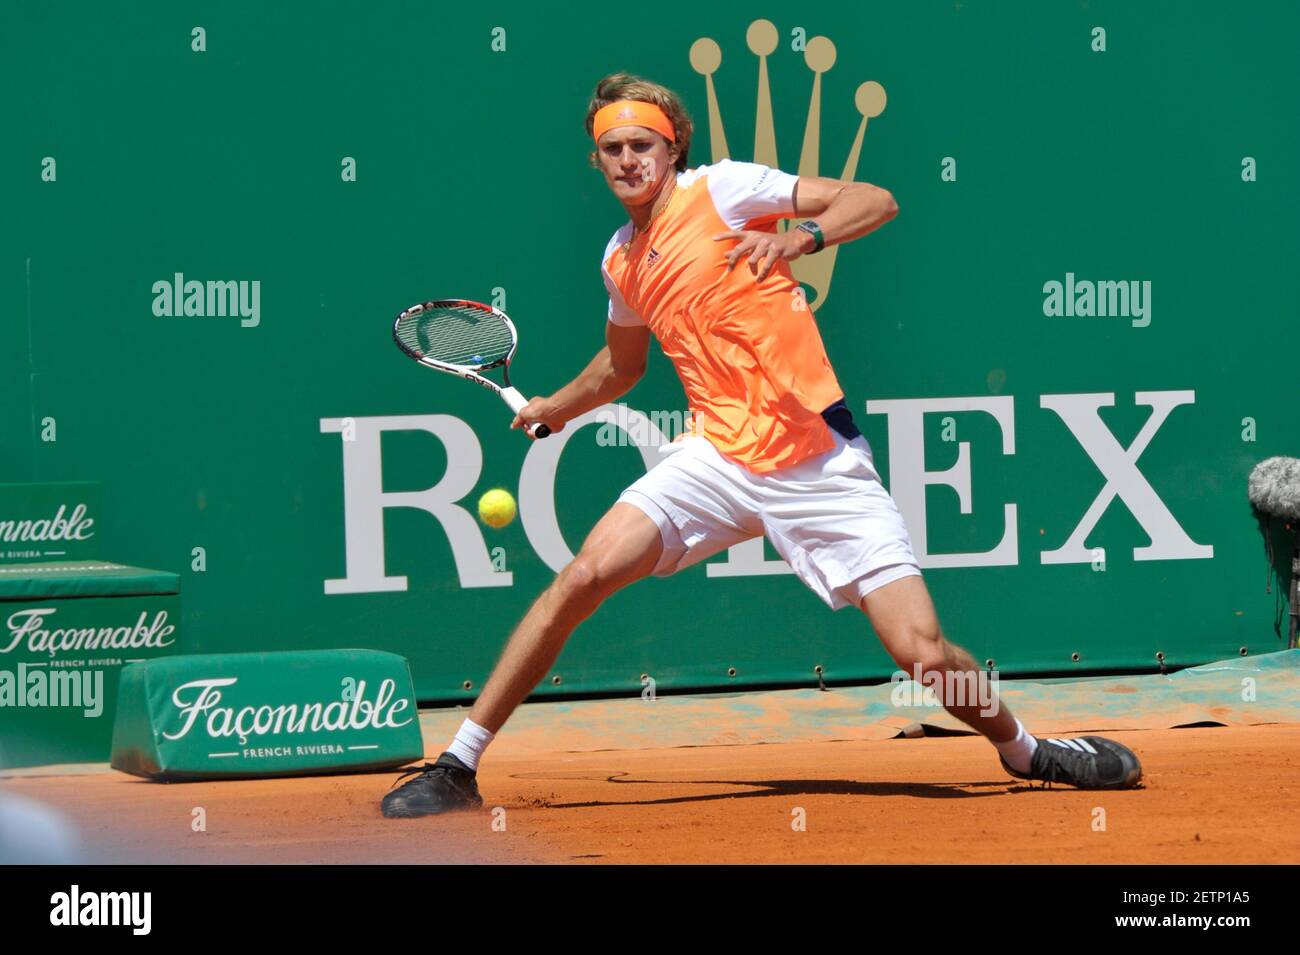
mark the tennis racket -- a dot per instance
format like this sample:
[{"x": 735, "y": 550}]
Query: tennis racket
[{"x": 464, "y": 338}]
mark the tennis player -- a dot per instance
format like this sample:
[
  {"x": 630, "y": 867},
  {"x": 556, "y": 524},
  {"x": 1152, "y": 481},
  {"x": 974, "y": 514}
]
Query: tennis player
[{"x": 771, "y": 447}]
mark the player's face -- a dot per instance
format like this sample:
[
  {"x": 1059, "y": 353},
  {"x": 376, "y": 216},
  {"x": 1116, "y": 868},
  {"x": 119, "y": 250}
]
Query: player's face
[{"x": 636, "y": 161}]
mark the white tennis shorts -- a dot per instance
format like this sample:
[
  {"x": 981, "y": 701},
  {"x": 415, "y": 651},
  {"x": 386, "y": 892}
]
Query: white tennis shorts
[{"x": 829, "y": 517}]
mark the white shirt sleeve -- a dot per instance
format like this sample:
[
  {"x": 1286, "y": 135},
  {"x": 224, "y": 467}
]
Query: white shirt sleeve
[
  {"x": 620, "y": 313},
  {"x": 745, "y": 191}
]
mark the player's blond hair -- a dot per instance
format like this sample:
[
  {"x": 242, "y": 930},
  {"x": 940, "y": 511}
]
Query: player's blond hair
[{"x": 619, "y": 86}]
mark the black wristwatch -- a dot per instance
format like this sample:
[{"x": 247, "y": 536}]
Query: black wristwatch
[{"x": 814, "y": 230}]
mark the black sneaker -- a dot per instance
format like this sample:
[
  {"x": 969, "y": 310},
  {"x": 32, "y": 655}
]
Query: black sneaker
[
  {"x": 442, "y": 786},
  {"x": 1088, "y": 762}
]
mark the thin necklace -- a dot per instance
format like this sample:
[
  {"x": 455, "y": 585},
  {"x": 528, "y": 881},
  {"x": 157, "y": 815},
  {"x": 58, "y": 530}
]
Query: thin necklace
[{"x": 671, "y": 189}]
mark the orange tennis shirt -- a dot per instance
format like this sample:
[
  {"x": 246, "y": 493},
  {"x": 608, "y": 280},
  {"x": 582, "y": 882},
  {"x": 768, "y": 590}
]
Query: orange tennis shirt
[{"x": 749, "y": 354}]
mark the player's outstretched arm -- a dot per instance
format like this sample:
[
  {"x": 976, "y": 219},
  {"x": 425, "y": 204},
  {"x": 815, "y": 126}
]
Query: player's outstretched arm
[
  {"x": 612, "y": 373},
  {"x": 844, "y": 211}
]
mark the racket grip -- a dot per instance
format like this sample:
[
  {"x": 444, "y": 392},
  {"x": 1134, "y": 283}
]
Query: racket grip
[{"x": 516, "y": 401}]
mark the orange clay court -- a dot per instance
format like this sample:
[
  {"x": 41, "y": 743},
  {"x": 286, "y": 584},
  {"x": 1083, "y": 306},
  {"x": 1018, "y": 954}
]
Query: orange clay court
[{"x": 1212, "y": 794}]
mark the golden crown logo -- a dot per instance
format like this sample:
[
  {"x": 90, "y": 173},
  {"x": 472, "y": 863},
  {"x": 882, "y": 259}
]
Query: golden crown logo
[{"x": 819, "y": 54}]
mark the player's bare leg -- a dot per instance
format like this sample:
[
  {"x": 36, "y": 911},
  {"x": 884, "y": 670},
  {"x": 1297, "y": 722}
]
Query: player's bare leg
[
  {"x": 903, "y": 616},
  {"x": 624, "y": 546}
]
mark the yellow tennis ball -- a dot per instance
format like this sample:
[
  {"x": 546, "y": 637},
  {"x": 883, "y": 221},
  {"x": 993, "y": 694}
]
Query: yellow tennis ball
[{"x": 496, "y": 508}]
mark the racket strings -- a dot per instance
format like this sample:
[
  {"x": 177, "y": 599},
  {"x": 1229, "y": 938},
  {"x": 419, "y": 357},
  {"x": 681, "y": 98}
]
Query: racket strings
[{"x": 457, "y": 335}]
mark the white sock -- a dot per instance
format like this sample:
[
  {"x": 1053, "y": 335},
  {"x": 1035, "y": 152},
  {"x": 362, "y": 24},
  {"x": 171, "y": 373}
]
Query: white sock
[
  {"x": 1019, "y": 752},
  {"x": 471, "y": 739}
]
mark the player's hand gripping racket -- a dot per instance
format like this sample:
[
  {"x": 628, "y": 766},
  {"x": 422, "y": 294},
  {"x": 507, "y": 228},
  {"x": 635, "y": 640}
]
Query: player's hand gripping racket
[{"x": 464, "y": 338}]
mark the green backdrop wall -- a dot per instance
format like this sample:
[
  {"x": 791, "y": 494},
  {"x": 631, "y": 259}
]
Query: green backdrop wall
[{"x": 1167, "y": 157}]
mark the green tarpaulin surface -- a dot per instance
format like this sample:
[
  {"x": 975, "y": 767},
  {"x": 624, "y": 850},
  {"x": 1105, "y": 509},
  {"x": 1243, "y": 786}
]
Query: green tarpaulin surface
[
  {"x": 1236, "y": 691},
  {"x": 83, "y": 578}
]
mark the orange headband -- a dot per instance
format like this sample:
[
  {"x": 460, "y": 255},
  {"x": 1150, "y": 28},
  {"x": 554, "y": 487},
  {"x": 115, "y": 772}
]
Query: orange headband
[{"x": 632, "y": 112}]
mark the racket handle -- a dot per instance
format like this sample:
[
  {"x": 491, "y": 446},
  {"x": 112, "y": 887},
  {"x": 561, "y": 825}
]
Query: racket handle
[{"x": 516, "y": 401}]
